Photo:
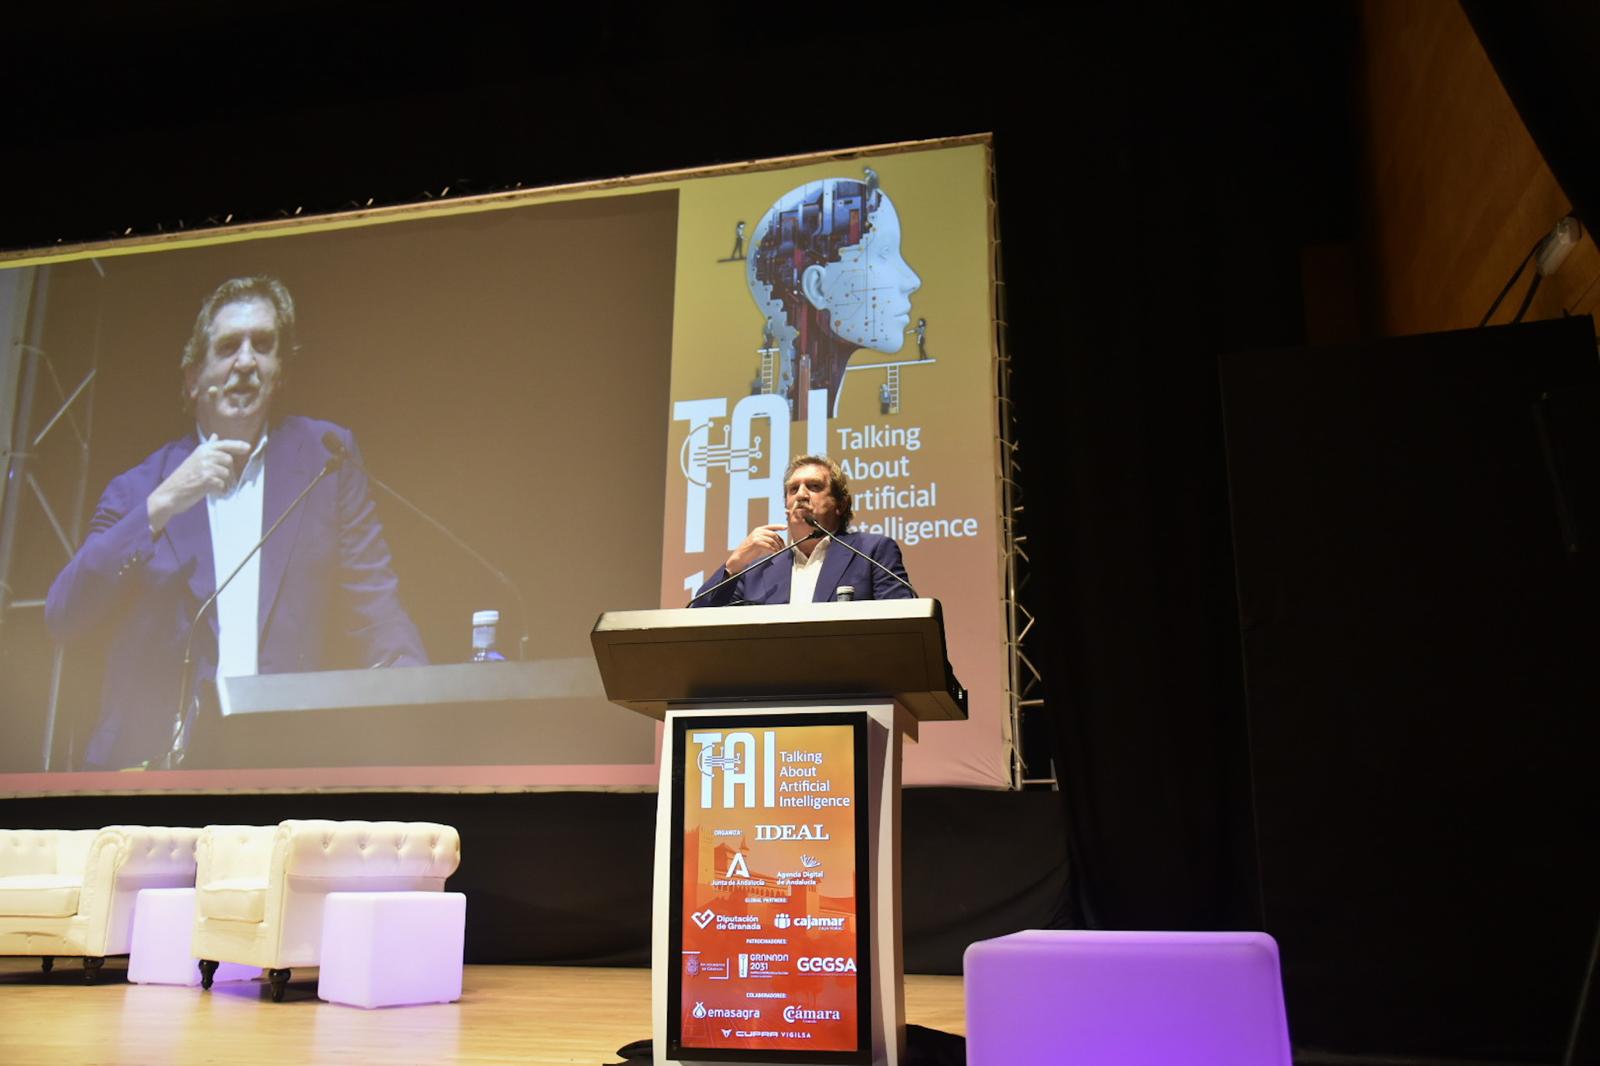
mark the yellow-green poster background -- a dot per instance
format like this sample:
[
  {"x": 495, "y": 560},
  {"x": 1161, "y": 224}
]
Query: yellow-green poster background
[{"x": 942, "y": 196}]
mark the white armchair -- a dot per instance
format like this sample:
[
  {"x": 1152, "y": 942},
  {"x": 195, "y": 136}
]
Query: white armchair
[
  {"x": 260, "y": 890},
  {"x": 70, "y": 892}
]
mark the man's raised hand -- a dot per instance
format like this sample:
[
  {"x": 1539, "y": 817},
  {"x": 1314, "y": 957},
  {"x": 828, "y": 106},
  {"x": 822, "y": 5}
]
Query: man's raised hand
[
  {"x": 763, "y": 540},
  {"x": 212, "y": 467}
]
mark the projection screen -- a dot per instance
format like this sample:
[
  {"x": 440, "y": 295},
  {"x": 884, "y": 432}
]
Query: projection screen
[{"x": 592, "y": 392}]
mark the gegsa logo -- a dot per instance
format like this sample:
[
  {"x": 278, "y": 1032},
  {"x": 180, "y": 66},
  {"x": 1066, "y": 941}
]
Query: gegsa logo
[{"x": 824, "y": 964}]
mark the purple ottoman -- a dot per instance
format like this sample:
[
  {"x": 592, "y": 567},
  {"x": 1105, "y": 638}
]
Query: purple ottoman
[
  {"x": 1095, "y": 998},
  {"x": 158, "y": 953},
  {"x": 390, "y": 949}
]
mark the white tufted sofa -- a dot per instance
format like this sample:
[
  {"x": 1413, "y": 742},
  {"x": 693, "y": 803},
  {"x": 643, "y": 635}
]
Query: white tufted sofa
[
  {"x": 260, "y": 890},
  {"x": 70, "y": 892}
]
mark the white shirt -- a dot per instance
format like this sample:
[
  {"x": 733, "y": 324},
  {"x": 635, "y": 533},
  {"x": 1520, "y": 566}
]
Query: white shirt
[
  {"x": 235, "y": 527},
  {"x": 807, "y": 568}
]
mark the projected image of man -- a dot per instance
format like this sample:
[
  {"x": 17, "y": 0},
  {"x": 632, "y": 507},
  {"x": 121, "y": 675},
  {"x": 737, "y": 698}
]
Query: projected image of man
[
  {"x": 813, "y": 572},
  {"x": 166, "y": 532}
]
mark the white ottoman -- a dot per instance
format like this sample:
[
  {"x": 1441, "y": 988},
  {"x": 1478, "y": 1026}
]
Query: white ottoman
[
  {"x": 159, "y": 953},
  {"x": 389, "y": 949}
]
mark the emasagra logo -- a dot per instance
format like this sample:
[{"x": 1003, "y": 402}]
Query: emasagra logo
[{"x": 745, "y": 1013}]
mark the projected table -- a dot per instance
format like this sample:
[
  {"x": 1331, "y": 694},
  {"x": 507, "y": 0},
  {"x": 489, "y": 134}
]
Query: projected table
[
  {"x": 540, "y": 712},
  {"x": 776, "y": 932}
]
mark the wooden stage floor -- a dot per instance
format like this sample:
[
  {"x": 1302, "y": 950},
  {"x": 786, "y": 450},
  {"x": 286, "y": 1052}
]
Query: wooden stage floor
[{"x": 507, "y": 1014}]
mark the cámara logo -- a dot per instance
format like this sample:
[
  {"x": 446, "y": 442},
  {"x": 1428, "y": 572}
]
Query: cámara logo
[{"x": 806, "y": 1014}]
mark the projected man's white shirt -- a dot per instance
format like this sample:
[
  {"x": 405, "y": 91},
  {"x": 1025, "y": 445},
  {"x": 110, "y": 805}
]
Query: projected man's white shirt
[{"x": 235, "y": 517}]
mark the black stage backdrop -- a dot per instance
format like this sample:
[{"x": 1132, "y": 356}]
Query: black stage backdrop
[
  {"x": 1159, "y": 168},
  {"x": 1415, "y": 524},
  {"x": 564, "y": 877}
]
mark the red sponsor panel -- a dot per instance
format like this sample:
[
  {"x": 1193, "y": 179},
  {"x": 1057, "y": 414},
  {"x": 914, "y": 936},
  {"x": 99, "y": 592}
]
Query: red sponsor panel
[{"x": 769, "y": 953}]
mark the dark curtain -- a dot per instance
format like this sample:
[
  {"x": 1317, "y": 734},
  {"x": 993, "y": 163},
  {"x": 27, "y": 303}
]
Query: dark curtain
[
  {"x": 1544, "y": 52},
  {"x": 1158, "y": 166}
]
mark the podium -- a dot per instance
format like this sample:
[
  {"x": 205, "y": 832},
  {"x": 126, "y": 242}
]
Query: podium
[{"x": 776, "y": 934}]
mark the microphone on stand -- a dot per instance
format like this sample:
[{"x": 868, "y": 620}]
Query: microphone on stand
[
  {"x": 180, "y": 727},
  {"x": 811, "y": 521},
  {"x": 331, "y": 441},
  {"x": 785, "y": 550}
]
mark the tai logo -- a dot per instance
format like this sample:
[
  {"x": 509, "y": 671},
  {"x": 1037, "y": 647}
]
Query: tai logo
[
  {"x": 748, "y": 765},
  {"x": 704, "y": 918},
  {"x": 708, "y": 762},
  {"x": 737, "y": 866}
]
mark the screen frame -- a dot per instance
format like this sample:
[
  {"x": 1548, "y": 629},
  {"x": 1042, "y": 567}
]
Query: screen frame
[{"x": 860, "y": 723}]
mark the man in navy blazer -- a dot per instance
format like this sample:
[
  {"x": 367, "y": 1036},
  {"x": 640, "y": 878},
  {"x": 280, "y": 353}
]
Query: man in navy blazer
[
  {"x": 150, "y": 559},
  {"x": 813, "y": 487}
]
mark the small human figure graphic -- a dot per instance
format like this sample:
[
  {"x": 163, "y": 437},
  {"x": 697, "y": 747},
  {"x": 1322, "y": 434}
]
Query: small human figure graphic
[
  {"x": 922, "y": 338},
  {"x": 885, "y": 399},
  {"x": 738, "y": 244}
]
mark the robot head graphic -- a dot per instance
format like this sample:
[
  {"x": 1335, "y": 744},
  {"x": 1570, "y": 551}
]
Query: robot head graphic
[{"x": 826, "y": 271}]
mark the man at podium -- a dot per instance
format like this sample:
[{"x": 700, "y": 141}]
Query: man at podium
[{"x": 820, "y": 556}]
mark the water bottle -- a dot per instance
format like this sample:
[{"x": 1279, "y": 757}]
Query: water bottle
[{"x": 484, "y": 625}]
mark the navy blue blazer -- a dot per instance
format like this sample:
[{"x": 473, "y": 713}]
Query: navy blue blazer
[{"x": 770, "y": 582}]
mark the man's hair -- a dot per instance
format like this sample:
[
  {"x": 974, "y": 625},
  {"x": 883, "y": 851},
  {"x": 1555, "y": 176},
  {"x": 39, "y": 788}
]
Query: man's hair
[
  {"x": 838, "y": 485},
  {"x": 260, "y": 287}
]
